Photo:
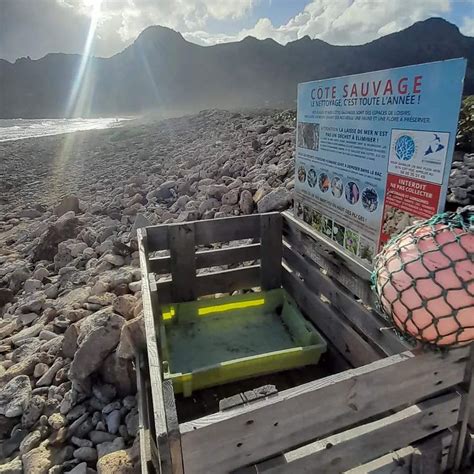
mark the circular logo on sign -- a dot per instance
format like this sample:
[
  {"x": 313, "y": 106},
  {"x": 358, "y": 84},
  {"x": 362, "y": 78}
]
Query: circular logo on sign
[{"x": 405, "y": 147}]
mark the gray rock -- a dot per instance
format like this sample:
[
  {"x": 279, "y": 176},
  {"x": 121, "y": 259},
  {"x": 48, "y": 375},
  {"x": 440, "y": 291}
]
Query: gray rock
[
  {"x": 131, "y": 422},
  {"x": 6, "y": 296},
  {"x": 68, "y": 203},
  {"x": 130, "y": 401},
  {"x": 140, "y": 222},
  {"x": 40, "y": 369},
  {"x": 31, "y": 441},
  {"x": 98, "y": 336},
  {"x": 246, "y": 203},
  {"x": 48, "y": 377},
  {"x": 111, "y": 407},
  {"x": 98, "y": 437},
  {"x": 84, "y": 429},
  {"x": 113, "y": 421},
  {"x": 124, "y": 305},
  {"x": 15, "y": 466},
  {"x": 76, "y": 412},
  {"x": 82, "y": 468},
  {"x": 85, "y": 454},
  {"x": 276, "y": 200},
  {"x": 104, "y": 392},
  {"x": 15, "y": 396},
  {"x": 110, "y": 447},
  {"x": 81, "y": 442},
  {"x": 12, "y": 444},
  {"x": 33, "y": 411}
]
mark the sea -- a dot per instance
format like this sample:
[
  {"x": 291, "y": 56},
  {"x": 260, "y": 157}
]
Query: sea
[{"x": 19, "y": 129}]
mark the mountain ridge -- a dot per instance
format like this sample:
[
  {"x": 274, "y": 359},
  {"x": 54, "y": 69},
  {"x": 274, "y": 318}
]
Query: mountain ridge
[{"x": 162, "y": 70}]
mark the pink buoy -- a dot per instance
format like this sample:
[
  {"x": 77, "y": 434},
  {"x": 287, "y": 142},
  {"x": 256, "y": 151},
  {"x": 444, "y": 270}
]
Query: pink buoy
[{"x": 424, "y": 279}]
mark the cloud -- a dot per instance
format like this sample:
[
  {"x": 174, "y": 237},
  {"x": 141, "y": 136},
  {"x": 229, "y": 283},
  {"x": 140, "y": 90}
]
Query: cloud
[
  {"x": 37, "y": 27},
  {"x": 467, "y": 27},
  {"x": 347, "y": 21}
]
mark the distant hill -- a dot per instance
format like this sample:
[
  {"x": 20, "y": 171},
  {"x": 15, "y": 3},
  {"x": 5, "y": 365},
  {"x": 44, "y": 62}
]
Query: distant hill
[{"x": 161, "y": 70}]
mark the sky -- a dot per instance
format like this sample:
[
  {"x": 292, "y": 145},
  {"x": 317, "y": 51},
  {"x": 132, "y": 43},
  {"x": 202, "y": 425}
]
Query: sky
[{"x": 36, "y": 27}]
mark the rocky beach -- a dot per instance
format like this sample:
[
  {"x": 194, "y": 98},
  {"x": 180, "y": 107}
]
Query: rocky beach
[
  {"x": 70, "y": 300},
  {"x": 69, "y": 274}
]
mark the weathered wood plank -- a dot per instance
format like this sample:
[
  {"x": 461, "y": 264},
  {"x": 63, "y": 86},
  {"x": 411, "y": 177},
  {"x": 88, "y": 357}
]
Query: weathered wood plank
[
  {"x": 157, "y": 237},
  {"x": 342, "y": 268},
  {"x": 245, "y": 435},
  {"x": 428, "y": 458},
  {"x": 360, "y": 445},
  {"x": 271, "y": 250},
  {"x": 467, "y": 388},
  {"x": 398, "y": 462},
  {"x": 173, "y": 428},
  {"x": 366, "y": 322},
  {"x": 212, "y": 258},
  {"x": 227, "y": 229},
  {"x": 339, "y": 333},
  {"x": 225, "y": 281},
  {"x": 209, "y": 231},
  {"x": 183, "y": 262},
  {"x": 143, "y": 421},
  {"x": 154, "y": 365}
]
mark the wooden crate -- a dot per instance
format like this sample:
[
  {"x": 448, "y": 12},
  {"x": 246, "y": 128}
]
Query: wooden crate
[{"x": 384, "y": 397}]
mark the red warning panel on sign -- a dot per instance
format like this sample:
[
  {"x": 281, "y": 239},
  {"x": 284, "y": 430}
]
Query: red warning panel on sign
[{"x": 407, "y": 200}]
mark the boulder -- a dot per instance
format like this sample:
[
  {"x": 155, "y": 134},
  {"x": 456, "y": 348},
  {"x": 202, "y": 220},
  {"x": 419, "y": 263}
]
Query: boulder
[
  {"x": 85, "y": 454},
  {"x": 66, "y": 227},
  {"x": 119, "y": 462},
  {"x": 39, "y": 460},
  {"x": 132, "y": 338},
  {"x": 15, "y": 396},
  {"x": 120, "y": 373},
  {"x": 246, "y": 202},
  {"x": 68, "y": 203},
  {"x": 231, "y": 198},
  {"x": 276, "y": 200},
  {"x": 124, "y": 305},
  {"x": 33, "y": 411},
  {"x": 6, "y": 296},
  {"x": 98, "y": 336},
  {"x": 110, "y": 447},
  {"x": 15, "y": 466}
]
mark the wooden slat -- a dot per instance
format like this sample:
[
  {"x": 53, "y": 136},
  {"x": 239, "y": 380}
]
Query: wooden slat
[
  {"x": 271, "y": 250},
  {"x": 398, "y": 462},
  {"x": 344, "y": 269},
  {"x": 154, "y": 365},
  {"x": 227, "y": 229},
  {"x": 183, "y": 262},
  {"x": 209, "y": 231},
  {"x": 225, "y": 281},
  {"x": 359, "y": 445},
  {"x": 212, "y": 258},
  {"x": 248, "y": 434},
  {"x": 157, "y": 237},
  {"x": 366, "y": 322},
  {"x": 338, "y": 332},
  {"x": 467, "y": 388},
  {"x": 173, "y": 427},
  {"x": 431, "y": 453},
  {"x": 143, "y": 421}
]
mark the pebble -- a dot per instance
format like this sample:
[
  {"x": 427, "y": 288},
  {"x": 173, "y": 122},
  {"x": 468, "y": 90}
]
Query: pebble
[
  {"x": 85, "y": 454},
  {"x": 113, "y": 421}
]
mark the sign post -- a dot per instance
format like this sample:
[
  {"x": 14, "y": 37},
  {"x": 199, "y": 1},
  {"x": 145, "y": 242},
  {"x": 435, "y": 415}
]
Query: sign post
[{"x": 374, "y": 152}]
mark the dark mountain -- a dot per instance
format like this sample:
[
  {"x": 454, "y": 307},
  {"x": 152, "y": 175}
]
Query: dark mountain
[{"x": 161, "y": 70}]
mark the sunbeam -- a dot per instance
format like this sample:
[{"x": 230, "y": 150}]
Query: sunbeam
[{"x": 79, "y": 102}]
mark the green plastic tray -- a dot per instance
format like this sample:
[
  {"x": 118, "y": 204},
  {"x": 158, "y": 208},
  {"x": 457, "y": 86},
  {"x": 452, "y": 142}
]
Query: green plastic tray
[{"x": 215, "y": 341}]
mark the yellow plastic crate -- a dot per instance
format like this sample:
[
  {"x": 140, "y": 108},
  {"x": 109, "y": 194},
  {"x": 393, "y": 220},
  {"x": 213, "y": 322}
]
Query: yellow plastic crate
[{"x": 215, "y": 341}]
